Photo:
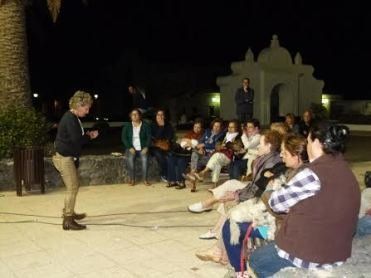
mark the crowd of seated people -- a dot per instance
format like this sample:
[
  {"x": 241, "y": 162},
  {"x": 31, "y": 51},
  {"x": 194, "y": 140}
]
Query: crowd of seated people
[
  {"x": 229, "y": 147},
  {"x": 291, "y": 170}
]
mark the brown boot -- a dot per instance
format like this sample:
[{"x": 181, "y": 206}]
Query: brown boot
[
  {"x": 70, "y": 224},
  {"x": 78, "y": 216}
]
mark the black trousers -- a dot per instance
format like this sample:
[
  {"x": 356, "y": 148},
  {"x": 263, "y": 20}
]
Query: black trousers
[{"x": 244, "y": 117}]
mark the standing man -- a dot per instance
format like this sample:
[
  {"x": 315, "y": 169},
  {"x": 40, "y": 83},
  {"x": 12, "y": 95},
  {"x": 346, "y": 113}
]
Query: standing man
[
  {"x": 139, "y": 99},
  {"x": 244, "y": 99}
]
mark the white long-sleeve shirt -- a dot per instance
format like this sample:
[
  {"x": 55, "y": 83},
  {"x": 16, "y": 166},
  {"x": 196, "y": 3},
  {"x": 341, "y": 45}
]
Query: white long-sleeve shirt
[{"x": 250, "y": 144}]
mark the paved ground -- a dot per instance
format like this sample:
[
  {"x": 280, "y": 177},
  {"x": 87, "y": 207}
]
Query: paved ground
[
  {"x": 156, "y": 250},
  {"x": 43, "y": 250}
]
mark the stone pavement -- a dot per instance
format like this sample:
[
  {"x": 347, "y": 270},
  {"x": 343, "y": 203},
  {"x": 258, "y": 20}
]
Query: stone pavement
[{"x": 45, "y": 250}]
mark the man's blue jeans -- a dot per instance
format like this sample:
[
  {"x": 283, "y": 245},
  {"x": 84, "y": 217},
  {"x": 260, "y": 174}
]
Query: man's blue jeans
[
  {"x": 131, "y": 163},
  {"x": 265, "y": 261},
  {"x": 364, "y": 226}
]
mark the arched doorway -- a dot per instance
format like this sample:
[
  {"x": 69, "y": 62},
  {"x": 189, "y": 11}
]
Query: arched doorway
[
  {"x": 275, "y": 104},
  {"x": 281, "y": 102}
]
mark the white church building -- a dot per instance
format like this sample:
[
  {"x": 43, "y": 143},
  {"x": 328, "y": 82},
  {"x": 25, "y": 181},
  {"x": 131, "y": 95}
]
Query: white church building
[{"x": 281, "y": 85}]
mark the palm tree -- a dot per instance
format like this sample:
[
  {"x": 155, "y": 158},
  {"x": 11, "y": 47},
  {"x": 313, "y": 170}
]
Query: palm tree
[{"x": 14, "y": 74}]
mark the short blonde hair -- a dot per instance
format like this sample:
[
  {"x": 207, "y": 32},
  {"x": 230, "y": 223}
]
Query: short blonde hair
[{"x": 80, "y": 98}]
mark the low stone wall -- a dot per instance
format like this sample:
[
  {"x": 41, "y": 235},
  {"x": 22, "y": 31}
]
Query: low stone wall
[{"x": 93, "y": 170}]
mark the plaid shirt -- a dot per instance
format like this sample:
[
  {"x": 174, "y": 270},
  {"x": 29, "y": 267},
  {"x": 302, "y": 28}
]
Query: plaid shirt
[{"x": 303, "y": 185}]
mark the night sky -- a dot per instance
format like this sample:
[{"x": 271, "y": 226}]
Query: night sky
[{"x": 88, "y": 44}]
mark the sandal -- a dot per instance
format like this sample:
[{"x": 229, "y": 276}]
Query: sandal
[
  {"x": 198, "y": 177},
  {"x": 193, "y": 188},
  {"x": 189, "y": 177},
  {"x": 210, "y": 255},
  {"x": 180, "y": 186}
]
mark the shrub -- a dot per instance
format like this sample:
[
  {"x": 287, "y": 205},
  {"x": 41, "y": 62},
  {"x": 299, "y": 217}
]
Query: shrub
[
  {"x": 320, "y": 112},
  {"x": 21, "y": 127}
]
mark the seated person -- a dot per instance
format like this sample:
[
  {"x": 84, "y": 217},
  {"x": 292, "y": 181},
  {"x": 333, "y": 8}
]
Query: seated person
[
  {"x": 294, "y": 155},
  {"x": 136, "y": 138},
  {"x": 180, "y": 155},
  {"x": 364, "y": 221},
  {"x": 321, "y": 204},
  {"x": 268, "y": 156},
  {"x": 162, "y": 134},
  {"x": 206, "y": 146},
  {"x": 292, "y": 126},
  {"x": 306, "y": 123},
  {"x": 222, "y": 156},
  {"x": 268, "y": 162},
  {"x": 250, "y": 139}
]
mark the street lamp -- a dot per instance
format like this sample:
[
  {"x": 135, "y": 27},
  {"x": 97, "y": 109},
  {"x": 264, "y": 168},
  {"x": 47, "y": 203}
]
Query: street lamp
[
  {"x": 35, "y": 95},
  {"x": 96, "y": 96}
]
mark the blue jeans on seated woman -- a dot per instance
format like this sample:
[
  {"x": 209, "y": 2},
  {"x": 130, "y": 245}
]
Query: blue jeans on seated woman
[
  {"x": 364, "y": 226},
  {"x": 265, "y": 261},
  {"x": 131, "y": 163}
]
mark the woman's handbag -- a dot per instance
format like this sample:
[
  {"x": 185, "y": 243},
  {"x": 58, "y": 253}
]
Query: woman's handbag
[{"x": 162, "y": 144}]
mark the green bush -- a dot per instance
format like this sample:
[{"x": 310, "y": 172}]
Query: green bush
[
  {"x": 21, "y": 127},
  {"x": 320, "y": 112}
]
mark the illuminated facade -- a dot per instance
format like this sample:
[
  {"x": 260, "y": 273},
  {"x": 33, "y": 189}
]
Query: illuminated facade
[{"x": 281, "y": 85}]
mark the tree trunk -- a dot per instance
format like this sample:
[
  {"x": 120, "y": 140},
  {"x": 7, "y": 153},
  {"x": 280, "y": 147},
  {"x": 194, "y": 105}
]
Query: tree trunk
[{"x": 14, "y": 75}]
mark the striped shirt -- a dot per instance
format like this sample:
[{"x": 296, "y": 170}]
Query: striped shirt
[{"x": 303, "y": 185}]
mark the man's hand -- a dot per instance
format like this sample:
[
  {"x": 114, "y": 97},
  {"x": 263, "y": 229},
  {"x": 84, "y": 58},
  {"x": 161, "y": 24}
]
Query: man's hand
[
  {"x": 228, "y": 196},
  {"x": 132, "y": 151},
  {"x": 145, "y": 150},
  {"x": 368, "y": 212}
]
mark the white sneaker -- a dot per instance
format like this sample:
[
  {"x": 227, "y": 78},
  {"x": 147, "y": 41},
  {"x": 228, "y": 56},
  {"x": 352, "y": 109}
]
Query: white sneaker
[
  {"x": 198, "y": 208},
  {"x": 208, "y": 235}
]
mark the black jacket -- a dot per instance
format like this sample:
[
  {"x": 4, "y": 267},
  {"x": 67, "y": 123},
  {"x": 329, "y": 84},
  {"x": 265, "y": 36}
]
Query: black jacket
[
  {"x": 244, "y": 101},
  {"x": 69, "y": 139}
]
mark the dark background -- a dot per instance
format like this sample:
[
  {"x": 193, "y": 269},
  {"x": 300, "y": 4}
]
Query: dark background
[{"x": 173, "y": 47}]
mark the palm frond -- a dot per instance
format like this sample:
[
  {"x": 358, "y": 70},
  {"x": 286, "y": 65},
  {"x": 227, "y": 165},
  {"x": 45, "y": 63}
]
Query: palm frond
[{"x": 54, "y": 7}]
